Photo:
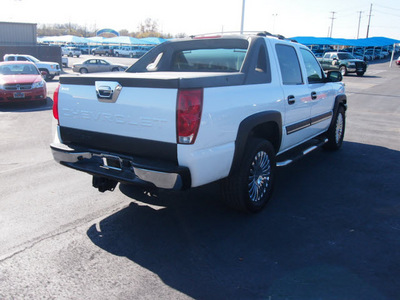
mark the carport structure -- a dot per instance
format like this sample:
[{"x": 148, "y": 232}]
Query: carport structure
[{"x": 372, "y": 42}]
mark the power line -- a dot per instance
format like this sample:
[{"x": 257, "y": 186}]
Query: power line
[
  {"x": 386, "y": 13},
  {"x": 391, "y": 8}
]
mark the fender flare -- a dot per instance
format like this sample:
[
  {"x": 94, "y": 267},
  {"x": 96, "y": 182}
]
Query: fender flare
[
  {"x": 245, "y": 131},
  {"x": 340, "y": 100}
]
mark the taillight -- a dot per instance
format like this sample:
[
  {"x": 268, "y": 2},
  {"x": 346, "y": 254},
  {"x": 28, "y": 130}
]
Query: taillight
[
  {"x": 188, "y": 115},
  {"x": 55, "y": 103}
]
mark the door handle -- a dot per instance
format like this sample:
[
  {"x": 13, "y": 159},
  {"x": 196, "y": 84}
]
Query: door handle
[
  {"x": 314, "y": 95},
  {"x": 291, "y": 99}
]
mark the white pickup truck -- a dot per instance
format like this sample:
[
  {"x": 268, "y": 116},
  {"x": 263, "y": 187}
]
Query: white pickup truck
[
  {"x": 195, "y": 111},
  {"x": 48, "y": 69},
  {"x": 130, "y": 51}
]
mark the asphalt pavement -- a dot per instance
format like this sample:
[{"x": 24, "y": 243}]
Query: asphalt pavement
[{"x": 331, "y": 230}]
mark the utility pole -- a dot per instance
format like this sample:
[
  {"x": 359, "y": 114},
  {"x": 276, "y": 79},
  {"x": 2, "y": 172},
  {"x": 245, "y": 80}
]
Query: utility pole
[
  {"x": 369, "y": 19},
  {"x": 273, "y": 24},
  {"x": 359, "y": 21},
  {"x": 242, "y": 24},
  {"x": 333, "y": 17}
]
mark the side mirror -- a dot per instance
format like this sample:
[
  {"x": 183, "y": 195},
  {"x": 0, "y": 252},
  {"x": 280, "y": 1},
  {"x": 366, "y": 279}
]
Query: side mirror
[{"x": 334, "y": 76}]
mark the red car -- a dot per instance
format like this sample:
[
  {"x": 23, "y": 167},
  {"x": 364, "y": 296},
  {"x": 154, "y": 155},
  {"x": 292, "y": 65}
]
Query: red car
[
  {"x": 21, "y": 82},
  {"x": 398, "y": 61}
]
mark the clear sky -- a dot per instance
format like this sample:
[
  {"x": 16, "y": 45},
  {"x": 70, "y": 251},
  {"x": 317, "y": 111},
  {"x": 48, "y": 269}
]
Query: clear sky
[{"x": 289, "y": 18}]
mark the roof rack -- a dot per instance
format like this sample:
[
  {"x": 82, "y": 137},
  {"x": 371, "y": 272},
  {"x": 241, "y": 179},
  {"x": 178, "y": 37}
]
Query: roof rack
[{"x": 221, "y": 34}]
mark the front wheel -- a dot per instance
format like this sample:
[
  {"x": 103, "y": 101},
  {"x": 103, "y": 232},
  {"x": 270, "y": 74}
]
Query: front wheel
[
  {"x": 335, "y": 133},
  {"x": 360, "y": 73},
  {"x": 250, "y": 187},
  {"x": 46, "y": 74},
  {"x": 343, "y": 70}
]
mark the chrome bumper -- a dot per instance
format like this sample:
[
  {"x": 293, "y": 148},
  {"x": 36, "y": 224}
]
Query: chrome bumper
[{"x": 121, "y": 169}]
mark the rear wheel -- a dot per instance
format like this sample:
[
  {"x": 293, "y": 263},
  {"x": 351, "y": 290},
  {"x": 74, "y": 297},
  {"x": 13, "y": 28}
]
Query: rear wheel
[
  {"x": 83, "y": 71},
  {"x": 250, "y": 187},
  {"x": 115, "y": 69},
  {"x": 335, "y": 133},
  {"x": 360, "y": 73}
]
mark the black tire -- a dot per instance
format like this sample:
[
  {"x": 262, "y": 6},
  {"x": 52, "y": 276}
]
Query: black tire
[
  {"x": 343, "y": 70},
  {"x": 114, "y": 70},
  {"x": 250, "y": 187},
  {"x": 83, "y": 70},
  {"x": 360, "y": 73},
  {"x": 335, "y": 133}
]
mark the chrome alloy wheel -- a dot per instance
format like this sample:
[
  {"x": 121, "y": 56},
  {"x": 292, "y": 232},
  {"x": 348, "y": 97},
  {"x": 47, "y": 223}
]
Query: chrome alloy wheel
[
  {"x": 259, "y": 177},
  {"x": 339, "y": 128}
]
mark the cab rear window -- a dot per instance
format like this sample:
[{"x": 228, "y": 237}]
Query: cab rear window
[{"x": 209, "y": 60}]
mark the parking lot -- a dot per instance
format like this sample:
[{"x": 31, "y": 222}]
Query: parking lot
[
  {"x": 331, "y": 230},
  {"x": 126, "y": 61}
]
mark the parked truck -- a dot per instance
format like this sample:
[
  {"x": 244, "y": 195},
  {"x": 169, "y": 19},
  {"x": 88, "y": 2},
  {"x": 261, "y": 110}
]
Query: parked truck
[
  {"x": 48, "y": 69},
  {"x": 343, "y": 62},
  {"x": 190, "y": 112}
]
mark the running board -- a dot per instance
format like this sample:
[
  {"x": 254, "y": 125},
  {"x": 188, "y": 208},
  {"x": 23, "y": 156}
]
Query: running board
[{"x": 297, "y": 154}]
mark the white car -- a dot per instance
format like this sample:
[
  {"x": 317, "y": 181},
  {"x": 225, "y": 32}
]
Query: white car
[
  {"x": 71, "y": 51},
  {"x": 48, "y": 69}
]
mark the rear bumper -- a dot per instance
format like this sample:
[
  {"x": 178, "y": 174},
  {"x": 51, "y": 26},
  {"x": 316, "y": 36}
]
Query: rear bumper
[{"x": 122, "y": 168}]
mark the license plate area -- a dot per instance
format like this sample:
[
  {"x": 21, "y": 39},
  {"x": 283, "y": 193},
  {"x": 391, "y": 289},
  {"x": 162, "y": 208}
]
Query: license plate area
[
  {"x": 111, "y": 162},
  {"x": 19, "y": 95}
]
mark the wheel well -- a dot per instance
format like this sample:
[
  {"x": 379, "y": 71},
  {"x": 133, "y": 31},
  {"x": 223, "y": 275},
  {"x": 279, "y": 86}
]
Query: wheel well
[
  {"x": 265, "y": 125},
  {"x": 268, "y": 131}
]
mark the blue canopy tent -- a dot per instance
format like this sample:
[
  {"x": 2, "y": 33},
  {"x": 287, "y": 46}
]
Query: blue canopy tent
[
  {"x": 364, "y": 43},
  {"x": 369, "y": 42},
  {"x": 124, "y": 40},
  {"x": 63, "y": 39},
  {"x": 96, "y": 39},
  {"x": 153, "y": 40}
]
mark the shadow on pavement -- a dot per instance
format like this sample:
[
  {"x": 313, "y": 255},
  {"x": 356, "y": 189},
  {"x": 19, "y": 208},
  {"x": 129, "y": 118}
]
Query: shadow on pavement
[
  {"x": 28, "y": 106},
  {"x": 331, "y": 231}
]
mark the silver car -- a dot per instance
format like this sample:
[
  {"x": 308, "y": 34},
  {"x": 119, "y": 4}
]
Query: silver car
[{"x": 97, "y": 65}]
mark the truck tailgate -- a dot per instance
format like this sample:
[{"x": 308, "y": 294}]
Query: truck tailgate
[
  {"x": 130, "y": 119},
  {"x": 138, "y": 112}
]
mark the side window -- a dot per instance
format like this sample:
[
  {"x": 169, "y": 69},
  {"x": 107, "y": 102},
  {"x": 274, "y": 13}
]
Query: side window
[
  {"x": 21, "y": 58},
  {"x": 314, "y": 72},
  {"x": 289, "y": 64},
  {"x": 327, "y": 56}
]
